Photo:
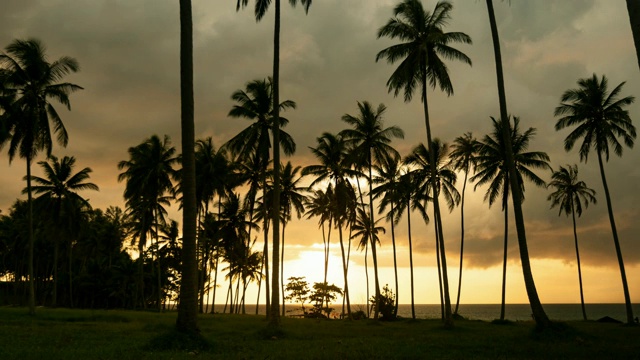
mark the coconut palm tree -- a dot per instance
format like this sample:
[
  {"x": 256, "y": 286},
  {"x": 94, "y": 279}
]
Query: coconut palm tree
[
  {"x": 491, "y": 169},
  {"x": 332, "y": 153},
  {"x": 187, "y": 320},
  {"x": 569, "y": 195},
  {"x": 420, "y": 159},
  {"x": 253, "y": 144},
  {"x": 367, "y": 231},
  {"x": 463, "y": 157},
  {"x": 148, "y": 174},
  {"x": 318, "y": 204},
  {"x": 600, "y": 120},
  {"x": 369, "y": 145},
  {"x": 57, "y": 192},
  {"x": 30, "y": 82},
  {"x": 539, "y": 316},
  {"x": 261, "y": 7},
  {"x": 424, "y": 43},
  {"x": 388, "y": 175}
]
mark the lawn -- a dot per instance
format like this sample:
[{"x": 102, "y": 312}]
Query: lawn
[{"x": 110, "y": 334}]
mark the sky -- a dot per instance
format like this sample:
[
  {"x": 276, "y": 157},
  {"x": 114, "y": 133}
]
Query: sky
[{"x": 129, "y": 57}]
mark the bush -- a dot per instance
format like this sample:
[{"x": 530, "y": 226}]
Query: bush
[{"x": 386, "y": 304}]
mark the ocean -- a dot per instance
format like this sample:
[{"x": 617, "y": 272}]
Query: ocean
[{"x": 485, "y": 312}]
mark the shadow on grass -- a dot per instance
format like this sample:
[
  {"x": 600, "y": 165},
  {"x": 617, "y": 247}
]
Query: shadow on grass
[
  {"x": 174, "y": 340},
  {"x": 502, "y": 322},
  {"x": 271, "y": 332},
  {"x": 557, "y": 332}
]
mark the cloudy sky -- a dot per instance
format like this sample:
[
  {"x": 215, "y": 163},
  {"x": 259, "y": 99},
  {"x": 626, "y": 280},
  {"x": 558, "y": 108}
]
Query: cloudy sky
[{"x": 128, "y": 52}]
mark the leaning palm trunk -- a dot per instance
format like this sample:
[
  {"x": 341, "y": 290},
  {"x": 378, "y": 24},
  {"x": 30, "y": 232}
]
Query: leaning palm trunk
[
  {"x": 284, "y": 224},
  {"x": 413, "y": 304},
  {"x": 575, "y": 238},
  {"x": 395, "y": 262},
  {"x": 633, "y": 8},
  {"x": 345, "y": 271},
  {"x": 540, "y": 317},
  {"x": 438, "y": 265},
  {"x": 623, "y": 274},
  {"x": 464, "y": 187},
  {"x": 215, "y": 284},
  {"x": 374, "y": 255},
  {"x": 448, "y": 319},
  {"x": 505, "y": 204}
]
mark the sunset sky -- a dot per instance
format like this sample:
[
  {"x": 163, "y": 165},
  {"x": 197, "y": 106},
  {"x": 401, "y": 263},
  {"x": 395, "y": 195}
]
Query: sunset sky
[{"x": 129, "y": 57}]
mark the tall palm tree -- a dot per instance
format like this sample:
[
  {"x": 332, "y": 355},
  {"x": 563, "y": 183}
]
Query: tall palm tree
[
  {"x": 58, "y": 194},
  {"x": 424, "y": 42},
  {"x": 332, "y": 153},
  {"x": 369, "y": 141},
  {"x": 256, "y": 103},
  {"x": 261, "y": 8},
  {"x": 463, "y": 156},
  {"x": 367, "y": 230},
  {"x": 30, "y": 81},
  {"x": 319, "y": 204},
  {"x": 491, "y": 168},
  {"x": 420, "y": 159},
  {"x": 539, "y": 316},
  {"x": 600, "y": 120},
  {"x": 148, "y": 174},
  {"x": 387, "y": 178},
  {"x": 569, "y": 195},
  {"x": 187, "y": 320}
]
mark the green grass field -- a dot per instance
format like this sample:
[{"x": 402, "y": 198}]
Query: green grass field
[{"x": 84, "y": 334}]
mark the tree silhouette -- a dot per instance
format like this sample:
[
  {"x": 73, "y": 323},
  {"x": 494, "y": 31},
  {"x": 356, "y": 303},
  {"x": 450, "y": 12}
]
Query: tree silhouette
[
  {"x": 29, "y": 81},
  {"x": 261, "y": 7},
  {"x": 599, "y": 119},
  {"x": 424, "y": 42},
  {"x": 491, "y": 169},
  {"x": 463, "y": 156},
  {"x": 569, "y": 195}
]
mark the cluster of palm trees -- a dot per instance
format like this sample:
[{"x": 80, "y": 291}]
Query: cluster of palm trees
[{"x": 362, "y": 152}]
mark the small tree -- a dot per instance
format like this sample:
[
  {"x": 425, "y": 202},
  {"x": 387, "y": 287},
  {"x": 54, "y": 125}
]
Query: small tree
[
  {"x": 386, "y": 303},
  {"x": 323, "y": 293},
  {"x": 298, "y": 291}
]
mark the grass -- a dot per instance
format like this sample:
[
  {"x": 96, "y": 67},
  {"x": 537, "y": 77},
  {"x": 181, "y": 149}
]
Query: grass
[{"x": 110, "y": 334}]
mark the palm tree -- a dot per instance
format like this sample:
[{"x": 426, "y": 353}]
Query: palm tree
[
  {"x": 187, "y": 320},
  {"x": 369, "y": 141},
  {"x": 148, "y": 174},
  {"x": 261, "y": 8},
  {"x": 540, "y": 317},
  {"x": 367, "y": 231},
  {"x": 420, "y": 159},
  {"x": 600, "y": 119},
  {"x": 58, "y": 194},
  {"x": 424, "y": 43},
  {"x": 332, "y": 152},
  {"x": 30, "y": 81},
  {"x": 253, "y": 144},
  {"x": 463, "y": 156},
  {"x": 491, "y": 168},
  {"x": 319, "y": 204},
  {"x": 389, "y": 173},
  {"x": 569, "y": 195}
]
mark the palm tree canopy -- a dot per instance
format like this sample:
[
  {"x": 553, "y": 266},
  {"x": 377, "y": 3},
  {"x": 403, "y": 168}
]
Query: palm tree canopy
[
  {"x": 491, "y": 162},
  {"x": 570, "y": 193},
  {"x": 423, "y": 46},
  {"x": 215, "y": 173},
  {"x": 598, "y": 117},
  {"x": 30, "y": 81},
  {"x": 363, "y": 228},
  {"x": 263, "y": 5},
  {"x": 464, "y": 151},
  {"x": 368, "y": 139},
  {"x": 446, "y": 177},
  {"x": 256, "y": 103}
]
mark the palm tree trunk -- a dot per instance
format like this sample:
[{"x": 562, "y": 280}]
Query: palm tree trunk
[
  {"x": 32, "y": 291},
  {"x": 395, "y": 261},
  {"x": 284, "y": 224},
  {"x": 187, "y": 320},
  {"x": 442, "y": 311},
  {"x": 266, "y": 264},
  {"x": 448, "y": 319},
  {"x": 505, "y": 204},
  {"x": 70, "y": 274},
  {"x": 540, "y": 317},
  {"x": 345, "y": 271},
  {"x": 413, "y": 303},
  {"x": 623, "y": 274},
  {"x": 575, "y": 238},
  {"x": 215, "y": 285},
  {"x": 159, "y": 277},
  {"x": 56, "y": 254},
  {"x": 373, "y": 244},
  {"x": 366, "y": 274},
  {"x": 275, "y": 293},
  {"x": 633, "y": 8},
  {"x": 464, "y": 187}
]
